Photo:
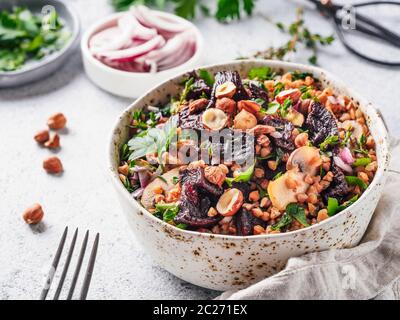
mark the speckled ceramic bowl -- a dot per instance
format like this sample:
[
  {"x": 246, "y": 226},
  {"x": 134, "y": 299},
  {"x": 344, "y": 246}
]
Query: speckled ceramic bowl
[{"x": 228, "y": 262}]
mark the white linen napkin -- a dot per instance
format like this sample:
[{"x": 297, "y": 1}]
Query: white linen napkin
[{"x": 370, "y": 270}]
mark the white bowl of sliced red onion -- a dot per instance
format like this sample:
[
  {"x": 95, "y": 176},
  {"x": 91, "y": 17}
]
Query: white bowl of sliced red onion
[{"x": 128, "y": 53}]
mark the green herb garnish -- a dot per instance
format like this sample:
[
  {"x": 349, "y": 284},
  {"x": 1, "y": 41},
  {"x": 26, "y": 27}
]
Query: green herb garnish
[
  {"x": 154, "y": 140},
  {"x": 207, "y": 77},
  {"x": 261, "y": 74},
  {"x": 284, "y": 110},
  {"x": 25, "y": 36},
  {"x": 333, "y": 206},
  {"x": 356, "y": 181},
  {"x": 300, "y": 36},
  {"x": 361, "y": 162},
  {"x": 361, "y": 145},
  {"x": 285, "y": 221},
  {"x": 329, "y": 141},
  {"x": 226, "y": 9},
  {"x": 298, "y": 213},
  {"x": 186, "y": 89},
  {"x": 168, "y": 210},
  {"x": 278, "y": 88},
  {"x": 175, "y": 180},
  {"x": 346, "y": 137},
  {"x": 278, "y": 175},
  {"x": 244, "y": 176},
  {"x": 273, "y": 108}
]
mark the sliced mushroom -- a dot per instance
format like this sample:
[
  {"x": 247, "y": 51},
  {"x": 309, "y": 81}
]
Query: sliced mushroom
[
  {"x": 149, "y": 194},
  {"x": 306, "y": 159},
  {"x": 356, "y": 127},
  {"x": 279, "y": 192},
  {"x": 230, "y": 202},
  {"x": 214, "y": 119}
]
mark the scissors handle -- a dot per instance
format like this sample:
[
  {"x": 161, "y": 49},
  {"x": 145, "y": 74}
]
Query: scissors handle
[{"x": 363, "y": 25}]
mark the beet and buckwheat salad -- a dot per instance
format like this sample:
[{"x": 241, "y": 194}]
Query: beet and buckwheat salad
[{"x": 258, "y": 154}]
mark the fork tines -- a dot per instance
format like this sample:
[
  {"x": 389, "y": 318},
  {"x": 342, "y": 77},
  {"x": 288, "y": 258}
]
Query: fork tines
[{"x": 56, "y": 260}]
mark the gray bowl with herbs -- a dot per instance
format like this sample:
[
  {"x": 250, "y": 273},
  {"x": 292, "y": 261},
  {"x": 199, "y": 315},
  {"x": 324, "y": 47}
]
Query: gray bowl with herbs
[{"x": 36, "y": 37}]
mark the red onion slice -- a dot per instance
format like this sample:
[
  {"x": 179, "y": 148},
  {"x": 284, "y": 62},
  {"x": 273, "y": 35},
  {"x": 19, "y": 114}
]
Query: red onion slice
[
  {"x": 184, "y": 56},
  {"x": 342, "y": 165},
  {"x": 150, "y": 19},
  {"x": 138, "y": 193},
  {"x": 109, "y": 39},
  {"x": 130, "y": 54},
  {"x": 346, "y": 156}
]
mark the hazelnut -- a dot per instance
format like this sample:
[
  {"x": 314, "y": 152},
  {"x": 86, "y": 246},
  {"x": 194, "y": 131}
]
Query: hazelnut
[
  {"x": 34, "y": 214},
  {"x": 124, "y": 169},
  {"x": 322, "y": 215},
  {"x": 254, "y": 196},
  {"x": 230, "y": 202},
  {"x": 215, "y": 175},
  {"x": 250, "y": 106},
  {"x": 293, "y": 94},
  {"x": 57, "y": 121},
  {"x": 244, "y": 120},
  {"x": 42, "y": 136},
  {"x": 227, "y": 89},
  {"x": 53, "y": 165},
  {"x": 53, "y": 142},
  {"x": 226, "y": 104},
  {"x": 212, "y": 212},
  {"x": 214, "y": 119},
  {"x": 301, "y": 140},
  {"x": 197, "y": 105}
]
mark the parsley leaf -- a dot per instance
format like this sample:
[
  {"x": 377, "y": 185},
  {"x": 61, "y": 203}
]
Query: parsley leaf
[
  {"x": 333, "y": 206},
  {"x": 261, "y": 74},
  {"x": 298, "y": 213},
  {"x": 244, "y": 176},
  {"x": 167, "y": 210},
  {"x": 153, "y": 140},
  {"x": 356, "y": 181},
  {"x": 285, "y": 221},
  {"x": 207, "y": 77}
]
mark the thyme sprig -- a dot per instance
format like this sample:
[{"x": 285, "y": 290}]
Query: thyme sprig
[{"x": 300, "y": 35}]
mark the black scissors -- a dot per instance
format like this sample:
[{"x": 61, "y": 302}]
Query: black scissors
[{"x": 361, "y": 24}]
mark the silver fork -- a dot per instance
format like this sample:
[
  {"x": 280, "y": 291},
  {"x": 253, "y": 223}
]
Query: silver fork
[{"x": 56, "y": 260}]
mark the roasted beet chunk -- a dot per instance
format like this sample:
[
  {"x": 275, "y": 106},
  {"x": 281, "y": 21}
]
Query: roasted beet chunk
[
  {"x": 197, "y": 196},
  {"x": 245, "y": 222},
  {"x": 189, "y": 121},
  {"x": 257, "y": 92},
  {"x": 199, "y": 89},
  {"x": 338, "y": 188},
  {"x": 285, "y": 129},
  {"x": 225, "y": 76},
  {"x": 321, "y": 124}
]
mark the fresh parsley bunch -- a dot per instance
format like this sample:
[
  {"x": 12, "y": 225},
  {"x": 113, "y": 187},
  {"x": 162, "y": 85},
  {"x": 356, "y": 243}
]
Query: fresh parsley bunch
[
  {"x": 226, "y": 9},
  {"x": 23, "y": 37}
]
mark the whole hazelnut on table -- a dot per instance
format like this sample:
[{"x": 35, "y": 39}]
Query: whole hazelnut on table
[
  {"x": 42, "y": 136},
  {"x": 53, "y": 142},
  {"x": 57, "y": 121},
  {"x": 34, "y": 214},
  {"x": 52, "y": 165}
]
